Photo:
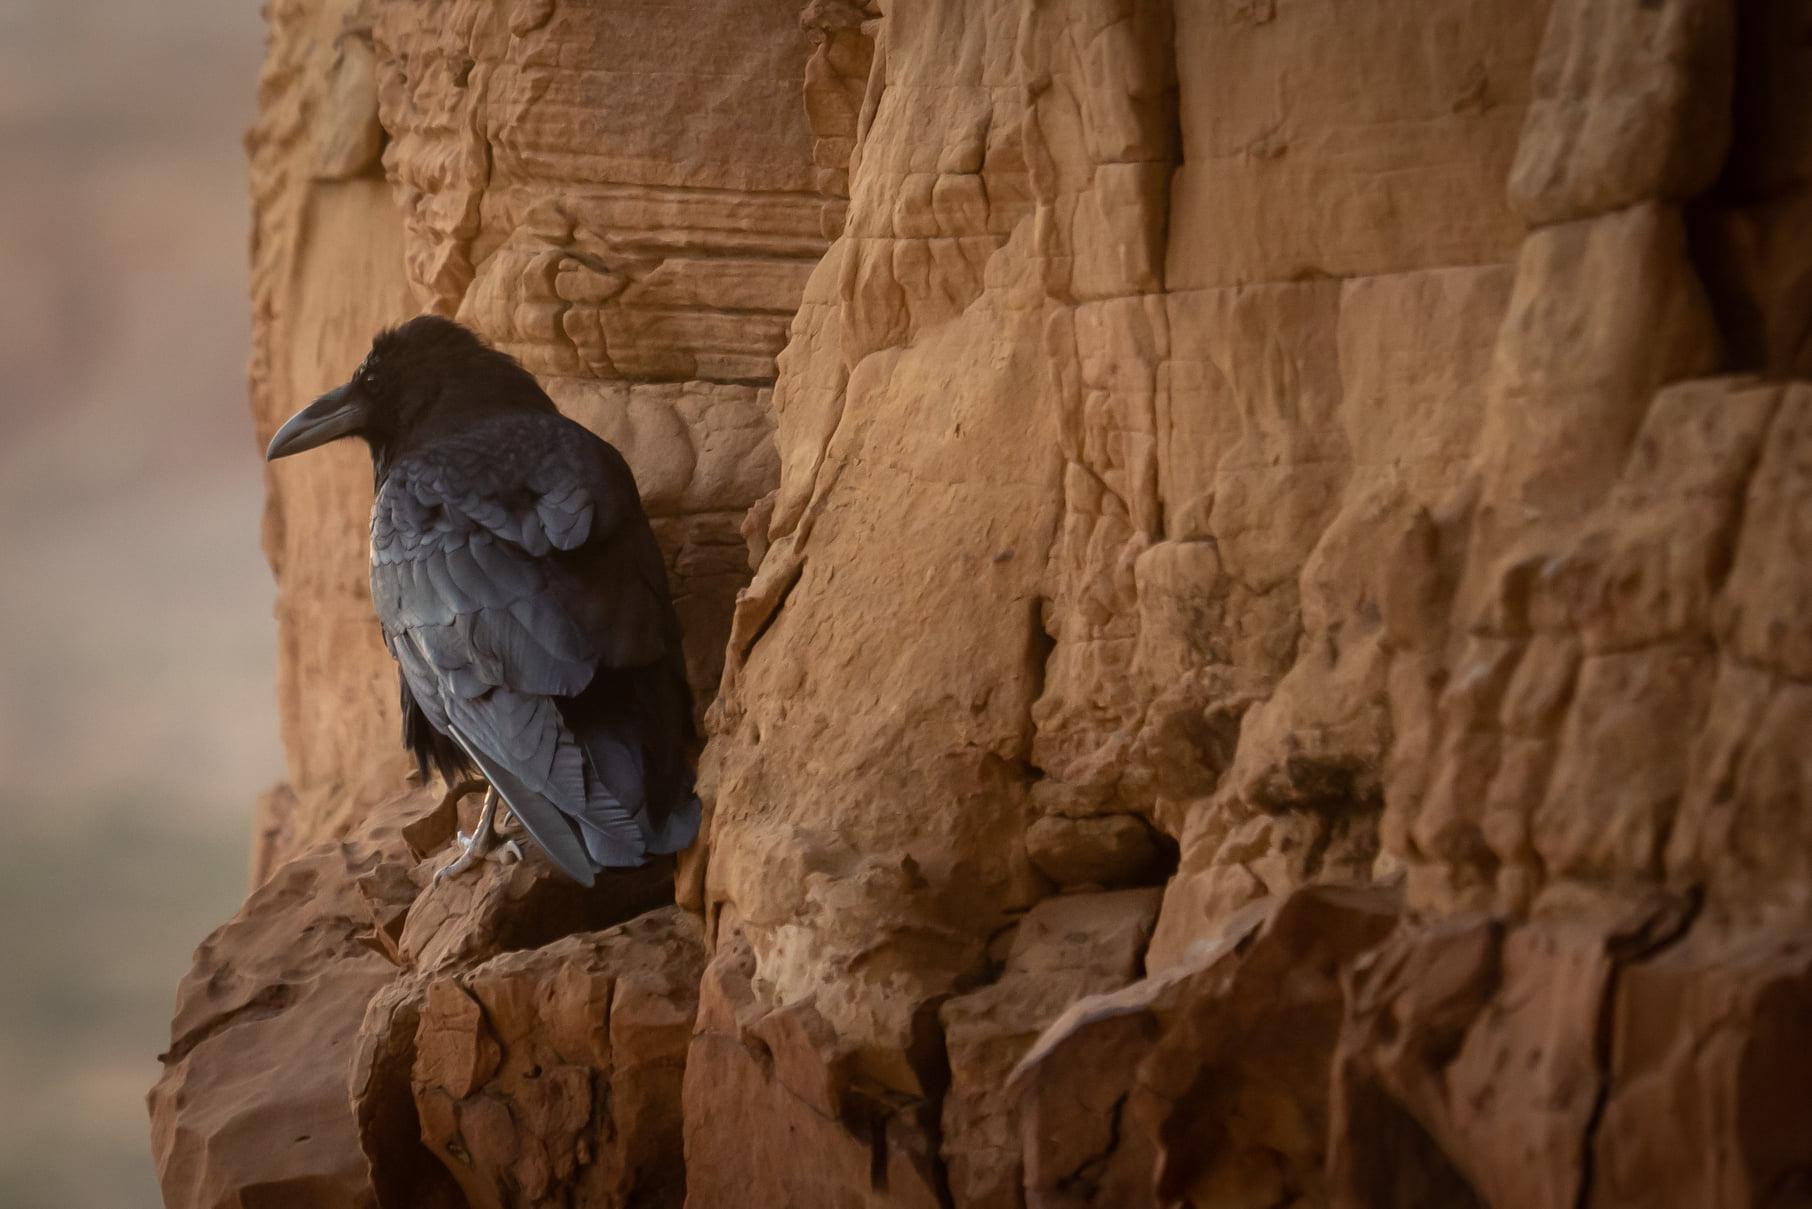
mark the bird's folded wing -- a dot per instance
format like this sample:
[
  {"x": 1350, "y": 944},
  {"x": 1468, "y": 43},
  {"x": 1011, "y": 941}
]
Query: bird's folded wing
[
  {"x": 524, "y": 591},
  {"x": 494, "y": 604}
]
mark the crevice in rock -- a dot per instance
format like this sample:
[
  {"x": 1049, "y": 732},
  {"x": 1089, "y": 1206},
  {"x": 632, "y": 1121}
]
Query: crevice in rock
[
  {"x": 930, "y": 1058},
  {"x": 1401, "y": 1166},
  {"x": 1723, "y": 549},
  {"x": 782, "y": 592},
  {"x": 270, "y": 1001},
  {"x": 1083, "y": 1181},
  {"x": 1170, "y": 856},
  {"x": 1664, "y": 927},
  {"x": 404, "y": 1171},
  {"x": 1173, "y": 132},
  {"x": 1729, "y": 225},
  {"x": 1041, "y": 645}
]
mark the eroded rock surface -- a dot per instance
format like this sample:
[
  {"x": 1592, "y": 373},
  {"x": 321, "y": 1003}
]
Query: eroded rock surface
[
  {"x": 1205, "y": 1084},
  {"x": 253, "y": 1101},
  {"x": 1278, "y": 613},
  {"x": 548, "y": 1075}
]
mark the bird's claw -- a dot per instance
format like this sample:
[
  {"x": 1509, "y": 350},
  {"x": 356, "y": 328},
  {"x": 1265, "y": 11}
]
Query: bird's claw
[
  {"x": 506, "y": 854},
  {"x": 481, "y": 843},
  {"x": 459, "y": 864}
]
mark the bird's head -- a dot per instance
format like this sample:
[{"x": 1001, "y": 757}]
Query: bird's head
[{"x": 427, "y": 369}]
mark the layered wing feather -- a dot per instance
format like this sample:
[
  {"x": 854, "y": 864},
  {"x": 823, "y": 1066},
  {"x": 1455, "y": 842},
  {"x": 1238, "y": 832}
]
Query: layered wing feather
[{"x": 507, "y": 567}]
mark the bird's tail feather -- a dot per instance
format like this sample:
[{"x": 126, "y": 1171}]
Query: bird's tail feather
[
  {"x": 545, "y": 822},
  {"x": 611, "y": 834},
  {"x": 631, "y": 724},
  {"x": 618, "y": 785}
]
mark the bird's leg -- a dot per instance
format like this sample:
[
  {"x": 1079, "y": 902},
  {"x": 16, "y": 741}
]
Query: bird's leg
[
  {"x": 481, "y": 837},
  {"x": 481, "y": 843},
  {"x": 506, "y": 827}
]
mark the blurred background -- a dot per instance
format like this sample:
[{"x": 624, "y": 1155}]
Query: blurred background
[{"x": 137, "y": 720}]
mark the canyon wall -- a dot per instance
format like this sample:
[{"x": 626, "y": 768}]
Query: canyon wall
[{"x": 1248, "y": 561}]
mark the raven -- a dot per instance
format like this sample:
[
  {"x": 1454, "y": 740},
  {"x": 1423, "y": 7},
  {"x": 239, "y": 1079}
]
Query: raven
[{"x": 523, "y": 597}]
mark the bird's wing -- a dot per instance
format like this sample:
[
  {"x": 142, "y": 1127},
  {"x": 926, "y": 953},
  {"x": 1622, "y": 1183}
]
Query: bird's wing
[{"x": 486, "y": 578}]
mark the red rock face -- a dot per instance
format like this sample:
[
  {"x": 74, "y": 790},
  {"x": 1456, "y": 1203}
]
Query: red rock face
[
  {"x": 1249, "y": 562},
  {"x": 545, "y": 1075}
]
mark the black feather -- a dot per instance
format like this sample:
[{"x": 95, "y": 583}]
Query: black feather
[{"x": 524, "y": 597}]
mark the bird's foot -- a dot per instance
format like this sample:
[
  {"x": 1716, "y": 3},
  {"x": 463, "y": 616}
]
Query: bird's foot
[
  {"x": 470, "y": 854},
  {"x": 482, "y": 843},
  {"x": 506, "y": 854}
]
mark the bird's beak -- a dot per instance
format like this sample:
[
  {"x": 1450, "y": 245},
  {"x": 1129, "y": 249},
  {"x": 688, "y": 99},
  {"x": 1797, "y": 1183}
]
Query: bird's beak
[{"x": 338, "y": 413}]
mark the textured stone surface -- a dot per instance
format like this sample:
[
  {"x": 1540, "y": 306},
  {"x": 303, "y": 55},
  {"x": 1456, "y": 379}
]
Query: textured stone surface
[
  {"x": 1707, "y": 1044},
  {"x": 1066, "y": 947},
  {"x": 791, "y": 1121},
  {"x": 1205, "y": 1084},
  {"x": 253, "y": 1097},
  {"x": 1283, "y": 522},
  {"x": 326, "y": 271},
  {"x": 549, "y": 1075},
  {"x": 1629, "y": 103}
]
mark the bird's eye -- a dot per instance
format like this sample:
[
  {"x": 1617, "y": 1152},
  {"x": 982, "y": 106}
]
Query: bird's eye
[{"x": 370, "y": 380}]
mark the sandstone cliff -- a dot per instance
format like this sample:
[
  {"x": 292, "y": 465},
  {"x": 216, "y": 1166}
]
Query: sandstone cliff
[{"x": 1250, "y": 560}]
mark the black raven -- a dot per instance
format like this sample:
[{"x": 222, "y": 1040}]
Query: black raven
[{"x": 522, "y": 594}]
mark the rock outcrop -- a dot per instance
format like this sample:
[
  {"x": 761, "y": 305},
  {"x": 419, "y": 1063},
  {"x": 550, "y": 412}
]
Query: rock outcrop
[{"x": 1249, "y": 564}]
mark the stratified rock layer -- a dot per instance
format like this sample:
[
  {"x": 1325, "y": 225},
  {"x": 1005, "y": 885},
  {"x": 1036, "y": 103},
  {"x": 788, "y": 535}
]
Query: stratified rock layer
[{"x": 1275, "y": 668}]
